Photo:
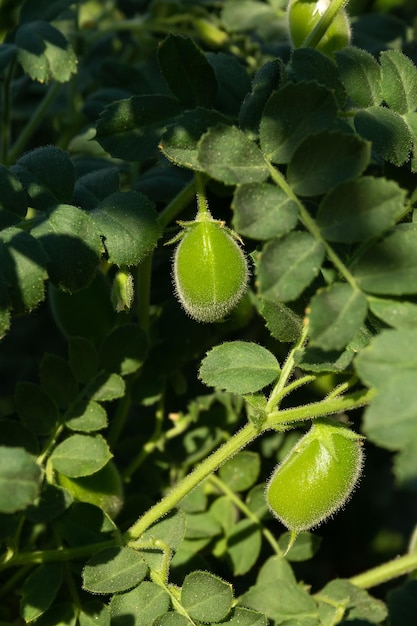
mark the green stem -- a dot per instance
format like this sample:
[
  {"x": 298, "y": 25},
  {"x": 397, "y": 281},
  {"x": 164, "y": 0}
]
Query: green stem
[
  {"x": 203, "y": 212},
  {"x": 320, "y": 409},
  {"x": 287, "y": 369},
  {"x": 311, "y": 225},
  {"x": 233, "y": 497},
  {"x": 177, "y": 204},
  {"x": 119, "y": 419},
  {"x": 33, "y": 123},
  {"x": 383, "y": 573},
  {"x": 320, "y": 29},
  {"x": 299, "y": 382},
  {"x": 143, "y": 291},
  {"x": 48, "y": 556},
  {"x": 241, "y": 439}
]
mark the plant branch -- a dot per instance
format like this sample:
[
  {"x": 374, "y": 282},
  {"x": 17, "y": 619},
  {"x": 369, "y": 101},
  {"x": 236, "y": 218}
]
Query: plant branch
[
  {"x": 238, "y": 441},
  {"x": 177, "y": 204},
  {"x": 278, "y": 392},
  {"x": 241, "y": 439},
  {"x": 383, "y": 573},
  {"x": 320, "y": 409},
  {"x": 311, "y": 225},
  {"x": 48, "y": 556},
  {"x": 217, "y": 482}
]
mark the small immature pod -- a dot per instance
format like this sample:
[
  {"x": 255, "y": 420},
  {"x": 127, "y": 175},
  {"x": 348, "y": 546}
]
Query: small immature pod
[
  {"x": 210, "y": 270},
  {"x": 317, "y": 477},
  {"x": 123, "y": 290}
]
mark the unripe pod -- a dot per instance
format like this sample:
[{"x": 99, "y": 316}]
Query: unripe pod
[
  {"x": 123, "y": 290},
  {"x": 303, "y": 15},
  {"x": 210, "y": 270},
  {"x": 317, "y": 477}
]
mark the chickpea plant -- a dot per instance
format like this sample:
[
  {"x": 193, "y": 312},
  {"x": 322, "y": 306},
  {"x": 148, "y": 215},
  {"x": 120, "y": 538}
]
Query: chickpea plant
[{"x": 208, "y": 313}]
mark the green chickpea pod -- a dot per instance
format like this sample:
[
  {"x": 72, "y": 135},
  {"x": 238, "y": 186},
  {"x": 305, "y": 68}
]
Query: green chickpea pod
[
  {"x": 210, "y": 269},
  {"x": 317, "y": 477}
]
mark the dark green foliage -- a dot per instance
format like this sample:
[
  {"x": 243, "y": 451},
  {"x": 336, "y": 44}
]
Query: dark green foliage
[{"x": 114, "y": 116}]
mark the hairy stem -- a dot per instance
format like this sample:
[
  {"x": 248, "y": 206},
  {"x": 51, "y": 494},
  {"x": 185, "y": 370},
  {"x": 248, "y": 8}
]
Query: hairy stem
[
  {"x": 241, "y": 439},
  {"x": 177, "y": 204},
  {"x": 311, "y": 225},
  {"x": 385, "y": 572}
]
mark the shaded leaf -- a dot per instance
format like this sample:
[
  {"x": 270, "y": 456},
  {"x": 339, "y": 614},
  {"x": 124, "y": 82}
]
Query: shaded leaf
[
  {"x": 309, "y": 64},
  {"x": 128, "y": 222},
  {"x": 47, "y": 176},
  {"x": 304, "y": 548},
  {"x": 36, "y": 408},
  {"x": 263, "y": 211},
  {"x": 389, "y": 133},
  {"x": 244, "y": 546},
  {"x": 282, "y": 322},
  {"x": 389, "y": 266},
  {"x": 395, "y": 313},
  {"x": 399, "y": 81},
  {"x": 73, "y": 245},
  {"x": 12, "y": 196},
  {"x": 94, "y": 187},
  {"x": 335, "y": 315},
  {"x": 186, "y": 71},
  {"x": 326, "y": 159},
  {"x": 108, "y": 387},
  {"x": 288, "y": 265},
  {"x": 359, "y": 604},
  {"x": 131, "y": 129},
  {"x": 180, "y": 141},
  {"x": 291, "y": 115},
  {"x": 402, "y": 604},
  {"x": 113, "y": 570},
  {"x": 389, "y": 364},
  {"x": 58, "y": 380},
  {"x": 233, "y": 82},
  {"x": 124, "y": 349},
  {"x": 20, "y": 479},
  {"x": 360, "y": 209},
  {"x": 23, "y": 262},
  {"x": 94, "y": 614},
  {"x": 39, "y": 590},
  {"x": 282, "y": 601},
  {"x": 86, "y": 313},
  {"x": 141, "y": 606},
  {"x": 227, "y": 154},
  {"x": 82, "y": 358},
  {"x": 360, "y": 74},
  {"x": 264, "y": 82}
]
